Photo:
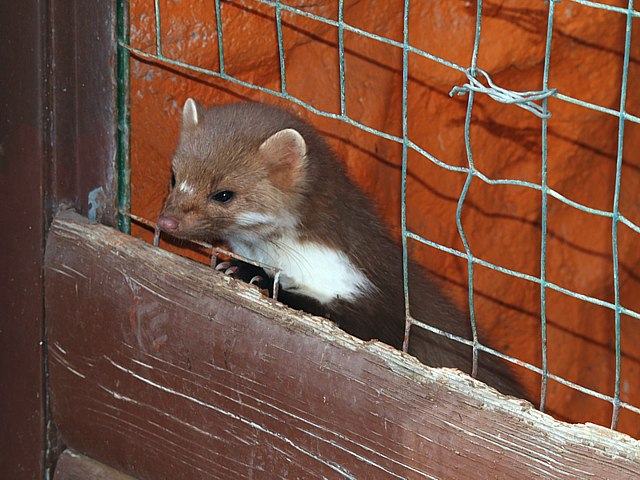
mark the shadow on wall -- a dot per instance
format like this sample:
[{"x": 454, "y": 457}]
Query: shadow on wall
[{"x": 502, "y": 222}]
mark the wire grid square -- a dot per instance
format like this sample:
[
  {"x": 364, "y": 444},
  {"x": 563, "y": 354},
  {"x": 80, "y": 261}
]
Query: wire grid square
[{"x": 472, "y": 173}]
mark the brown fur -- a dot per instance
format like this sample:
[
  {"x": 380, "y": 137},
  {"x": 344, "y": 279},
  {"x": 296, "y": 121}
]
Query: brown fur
[{"x": 222, "y": 152}]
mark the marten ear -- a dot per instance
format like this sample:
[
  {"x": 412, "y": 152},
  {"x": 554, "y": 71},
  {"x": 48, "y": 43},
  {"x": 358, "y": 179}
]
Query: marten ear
[
  {"x": 285, "y": 153},
  {"x": 190, "y": 115}
]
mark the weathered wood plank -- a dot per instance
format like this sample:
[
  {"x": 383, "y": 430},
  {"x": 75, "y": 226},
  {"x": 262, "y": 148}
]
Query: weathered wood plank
[
  {"x": 73, "y": 466},
  {"x": 23, "y": 161},
  {"x": 163, "y": 368}
]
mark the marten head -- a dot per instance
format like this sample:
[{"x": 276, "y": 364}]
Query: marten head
[{"x": 239, "y": 171}]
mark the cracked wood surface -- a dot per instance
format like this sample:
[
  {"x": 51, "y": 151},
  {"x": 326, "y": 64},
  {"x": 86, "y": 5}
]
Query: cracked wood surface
[{"x": 164, "y": 368}]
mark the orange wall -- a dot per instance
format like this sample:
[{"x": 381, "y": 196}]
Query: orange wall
[{"x": 503, "y": 223}]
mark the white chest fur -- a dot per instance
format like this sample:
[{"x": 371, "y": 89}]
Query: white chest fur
[{"x": 308, "y": 268}]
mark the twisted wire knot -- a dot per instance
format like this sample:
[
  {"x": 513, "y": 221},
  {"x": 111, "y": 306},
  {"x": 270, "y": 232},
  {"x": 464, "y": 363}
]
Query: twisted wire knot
[{"x": 524, "y": 100}]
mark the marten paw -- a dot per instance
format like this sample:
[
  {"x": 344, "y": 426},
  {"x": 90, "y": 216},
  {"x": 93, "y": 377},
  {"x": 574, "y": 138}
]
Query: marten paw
[
  {"x": 227, "y": 268},
  {"x": 247, "y": 273}
]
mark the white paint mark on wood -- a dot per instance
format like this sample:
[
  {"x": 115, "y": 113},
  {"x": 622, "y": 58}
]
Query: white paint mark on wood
[
  {"x": 331, "y": 432},
  {"x": 61, "y": 272},
  {"x": 64, "y": 362},
  {"x": 142, "y": 364},
  {"x": 67, "y": 267},
  {"x": 235, "y": 416}
]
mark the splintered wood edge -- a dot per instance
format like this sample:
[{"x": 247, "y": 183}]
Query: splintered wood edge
[{"x": 600, "y": 440}]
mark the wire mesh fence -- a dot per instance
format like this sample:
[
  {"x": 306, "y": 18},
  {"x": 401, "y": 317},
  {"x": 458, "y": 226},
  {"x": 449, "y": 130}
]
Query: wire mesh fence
[{"x": 479, "y": 83}]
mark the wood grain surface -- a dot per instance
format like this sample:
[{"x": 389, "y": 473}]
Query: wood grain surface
[{"x": 164, "y": 369}]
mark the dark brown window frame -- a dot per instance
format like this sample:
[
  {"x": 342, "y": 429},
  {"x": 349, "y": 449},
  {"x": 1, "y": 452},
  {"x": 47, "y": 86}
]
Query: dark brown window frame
[{"x": 57, "y": 147}]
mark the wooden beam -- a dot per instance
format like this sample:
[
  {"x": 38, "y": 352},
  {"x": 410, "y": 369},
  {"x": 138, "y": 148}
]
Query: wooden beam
[
  {"x": 23, "y": 160},
  {"x": 163, "y": 368}
]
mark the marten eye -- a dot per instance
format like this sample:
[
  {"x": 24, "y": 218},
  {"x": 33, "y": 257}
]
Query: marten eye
[
  {"x": 222, "y": 196},
  {"x": 173, "y": 180}
]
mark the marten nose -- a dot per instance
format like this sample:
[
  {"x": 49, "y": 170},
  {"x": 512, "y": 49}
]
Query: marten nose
[{"x": 168, "y": 224}]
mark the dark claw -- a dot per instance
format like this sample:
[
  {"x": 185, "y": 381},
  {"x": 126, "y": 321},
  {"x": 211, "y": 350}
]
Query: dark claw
[{"x": 246, "y": 273}]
